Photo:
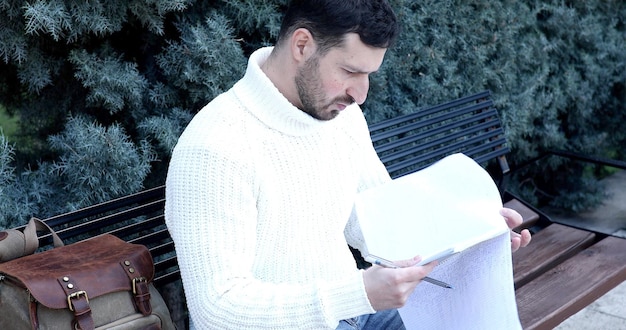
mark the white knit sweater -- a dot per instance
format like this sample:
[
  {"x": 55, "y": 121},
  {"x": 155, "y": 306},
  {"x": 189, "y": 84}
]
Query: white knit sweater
[{"x": 259, "y": 203}]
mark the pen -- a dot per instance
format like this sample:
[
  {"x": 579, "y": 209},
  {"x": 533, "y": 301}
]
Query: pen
[
  {"x": 437, "y": 282},
  {"x": 388, "y": 264}
]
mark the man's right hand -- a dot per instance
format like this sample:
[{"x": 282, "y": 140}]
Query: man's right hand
[{"x": 389, "y": 288}]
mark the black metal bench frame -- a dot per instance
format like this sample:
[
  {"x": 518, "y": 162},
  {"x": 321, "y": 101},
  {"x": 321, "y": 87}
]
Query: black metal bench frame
[{"x": 405, "y": 144}]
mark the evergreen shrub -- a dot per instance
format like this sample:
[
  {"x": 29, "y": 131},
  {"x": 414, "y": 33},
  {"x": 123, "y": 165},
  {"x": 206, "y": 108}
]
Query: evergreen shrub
[{"x": 103, "y": 89}]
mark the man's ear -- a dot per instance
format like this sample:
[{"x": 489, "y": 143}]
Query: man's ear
[{"x": 302, "y": 45}]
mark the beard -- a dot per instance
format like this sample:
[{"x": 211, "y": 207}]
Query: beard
[{"x": 309, "y": 86}]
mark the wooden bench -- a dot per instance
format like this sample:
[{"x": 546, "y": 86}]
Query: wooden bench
[
  {"x": 567, "y": 268},
  {"x": 563, "y": 270}
]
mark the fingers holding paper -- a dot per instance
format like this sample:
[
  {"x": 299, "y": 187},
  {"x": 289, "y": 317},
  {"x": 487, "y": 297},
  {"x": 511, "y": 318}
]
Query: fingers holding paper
[
  {"x": 391, "y": 287},
  {"x": 514, "y": 219}
]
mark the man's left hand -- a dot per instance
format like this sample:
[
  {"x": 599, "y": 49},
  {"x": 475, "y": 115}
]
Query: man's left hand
[{"x": 514, "y": 219}]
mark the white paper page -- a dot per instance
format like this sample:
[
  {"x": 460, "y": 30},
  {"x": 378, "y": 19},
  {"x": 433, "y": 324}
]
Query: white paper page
[
  {"x": 452, "y": 204},
  {"x": 482, "y": 298}
]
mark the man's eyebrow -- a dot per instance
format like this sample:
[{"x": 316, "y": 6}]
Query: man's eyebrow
[{"x": 357, "y": 70}]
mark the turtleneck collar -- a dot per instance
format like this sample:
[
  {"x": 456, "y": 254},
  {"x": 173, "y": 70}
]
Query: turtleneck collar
[{"x": 259, "y": 95}]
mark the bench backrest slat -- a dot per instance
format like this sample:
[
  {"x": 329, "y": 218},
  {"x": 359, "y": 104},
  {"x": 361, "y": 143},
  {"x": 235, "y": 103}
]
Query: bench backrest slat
[
  {"x": 452, "y": 118},
  {"x": 385, "y": 142},
  {"x": 115, "y": 219},
  {"x": 433, "y": 109},
  {"x": 468, "y": 125},
  {"x": 112, "y": 205},
  {"x": 443, "y": 145},
  {"x": 131, "y": 231}
]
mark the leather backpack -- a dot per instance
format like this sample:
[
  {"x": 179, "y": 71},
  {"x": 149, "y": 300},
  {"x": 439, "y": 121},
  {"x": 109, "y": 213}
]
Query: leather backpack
[{"x": 99, "y": 283}]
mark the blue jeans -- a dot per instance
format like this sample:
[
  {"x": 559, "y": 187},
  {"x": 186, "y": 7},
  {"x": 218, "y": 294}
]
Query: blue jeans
[{"x": 387, "y": 319}]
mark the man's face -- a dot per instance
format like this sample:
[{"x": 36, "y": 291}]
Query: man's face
[{"x": 328, "y": 84}]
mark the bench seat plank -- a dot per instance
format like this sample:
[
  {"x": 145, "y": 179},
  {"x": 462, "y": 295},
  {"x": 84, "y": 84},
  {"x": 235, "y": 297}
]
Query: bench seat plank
[
  {"x": 569, "y": 287},
  {"x": 530, "y": 217},
  {"x": 549, "y": 247}
]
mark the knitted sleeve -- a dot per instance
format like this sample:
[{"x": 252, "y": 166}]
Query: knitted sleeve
[
  {"x": 373, "y": 173},
  {"x": 211, "y": 214}
]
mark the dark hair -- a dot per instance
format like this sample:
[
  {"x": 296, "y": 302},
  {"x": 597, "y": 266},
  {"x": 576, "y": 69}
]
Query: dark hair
[{"x": 330, "y": 20}]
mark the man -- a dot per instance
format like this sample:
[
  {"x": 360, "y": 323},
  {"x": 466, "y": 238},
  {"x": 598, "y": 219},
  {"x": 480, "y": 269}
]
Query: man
[{"x": 261, "y": 184}]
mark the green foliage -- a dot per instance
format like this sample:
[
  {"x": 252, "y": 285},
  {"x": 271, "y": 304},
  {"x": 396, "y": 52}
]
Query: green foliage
[
  {"x": 8, "y": 123},
  {"x": 206, "y": 54},
  {"x": 165, "y": 129},
  {"x": 112, "y": 83},
  {"x": 7, "y": 179},
  {"x": 72, "y": 20},
  {"x": 103, "y": 89},
  {"x": 255, "y": 17},
  {"x": 580, "y": 97},
  {"x": 98, "y": 159}
]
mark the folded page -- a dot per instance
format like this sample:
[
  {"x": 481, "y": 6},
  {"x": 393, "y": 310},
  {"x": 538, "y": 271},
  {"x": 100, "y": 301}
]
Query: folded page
[{"x": 435, "y": 212}]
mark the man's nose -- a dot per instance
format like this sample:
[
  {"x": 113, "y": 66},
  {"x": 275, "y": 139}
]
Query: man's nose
[{"x": 358, "y": 89}]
